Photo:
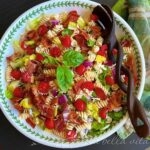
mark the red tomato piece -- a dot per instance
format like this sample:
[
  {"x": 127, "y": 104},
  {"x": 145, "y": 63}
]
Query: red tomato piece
[
  {"x": 26, "y": 77},
  {"x": 80, "y": 105},
  {"x": 55, "y": 52},
  {"x": 94, "y": 17},
  {"x": 39, "y": 57},
  {"x": 103, "y": 113},
  {"x": 66, "y": 41},
  {"x": 100, "y": 93},
  {"x": 88, "y": 85},
  {"x": 109, "y": 80},
  {"x": 18, "y": 92},
  {"x": 49, "y": 123},
  {"x": 42, "y": 30},
  {"x": 80, "y": 69},
  {"x": 43, "y": 87},
  {"x": 71, "y": 135},
  {"x": 16, "y": 74}
]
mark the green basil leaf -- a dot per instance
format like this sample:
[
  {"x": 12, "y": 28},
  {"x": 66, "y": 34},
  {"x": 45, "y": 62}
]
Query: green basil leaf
[
  {"x": 49, "y": 59},
  {"x": 64, "y": 78},
  {"x": 72, "y": 58}
]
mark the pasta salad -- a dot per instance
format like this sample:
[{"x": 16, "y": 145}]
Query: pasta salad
[{"x": 60, "y": 79}]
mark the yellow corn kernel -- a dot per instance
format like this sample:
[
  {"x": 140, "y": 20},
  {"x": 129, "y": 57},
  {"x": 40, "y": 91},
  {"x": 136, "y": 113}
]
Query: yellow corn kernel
[
  {"x": 26, "y": 60},
  {"x": 100, "y": 59},
  {"x": 32, "y": 57},
  {"x": 25, "y": 103}
]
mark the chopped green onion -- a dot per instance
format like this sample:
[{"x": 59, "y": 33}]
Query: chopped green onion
[
  {"x": 9, "y": 94},
  {"x": 90, "y": 43},
  {"x": 66, "y": 32}
]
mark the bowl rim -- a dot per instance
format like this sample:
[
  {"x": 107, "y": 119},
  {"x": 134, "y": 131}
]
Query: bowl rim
[{"x": 120, "y": 123}]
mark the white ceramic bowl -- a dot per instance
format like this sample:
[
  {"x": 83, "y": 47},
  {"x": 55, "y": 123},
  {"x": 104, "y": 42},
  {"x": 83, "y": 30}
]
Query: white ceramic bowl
[{"x": 84, "y": 7}]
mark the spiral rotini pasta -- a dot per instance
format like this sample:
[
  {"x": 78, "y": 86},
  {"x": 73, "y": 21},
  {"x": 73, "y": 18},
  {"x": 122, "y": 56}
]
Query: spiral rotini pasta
[
  {"x": 102, "y": 103},
  {"x": 48, "y": 99},
  {"x": 86, "y": 125},
  {"x": 59, "y": 133},
  {"x": 90, "y": 75},
  {"x": 70, "y": 126},
  {"x": 58, "y": 28},
  {"x": 7, "y": 74},
  {"x": 51, "y": 34},
  {"x": 42, "y": 49},
  {"x": 49, "y": 72},
  {"x": 83, "y": 115}
]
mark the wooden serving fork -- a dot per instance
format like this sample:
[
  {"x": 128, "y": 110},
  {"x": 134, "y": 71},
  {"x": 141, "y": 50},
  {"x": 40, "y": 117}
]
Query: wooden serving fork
[{"x": 135, "y": 109}]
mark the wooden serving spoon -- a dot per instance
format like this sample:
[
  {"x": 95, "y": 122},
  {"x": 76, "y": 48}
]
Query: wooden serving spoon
[{"x": 135, "y": 109}]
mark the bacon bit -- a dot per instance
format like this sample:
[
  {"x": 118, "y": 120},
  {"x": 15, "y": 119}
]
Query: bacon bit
[
  {"x": 31, "y": 34},
  {"x": 74, "y": 118},
  {"x": 115, "y": 100},
  {"x": 130, "y": 63},
  {"x": 96, "y": 31},
  {"x": 126, "y": 43},
  {"x": 31, "y": 67},
  {"x": 16, "y": 99},
  {"x": 81, "y": 40},
  {"x": 85, "y": 35},
  {"x": 18, "y": 107},
  {"x": 59, "y": 124},
  {"x": 54, "y": 102},
  {"x": 45, "y": 42},
  {"x": 72, "y": 17},
  {"x": 77, "y": 85},
  {"x": 30, "y": 121}
]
